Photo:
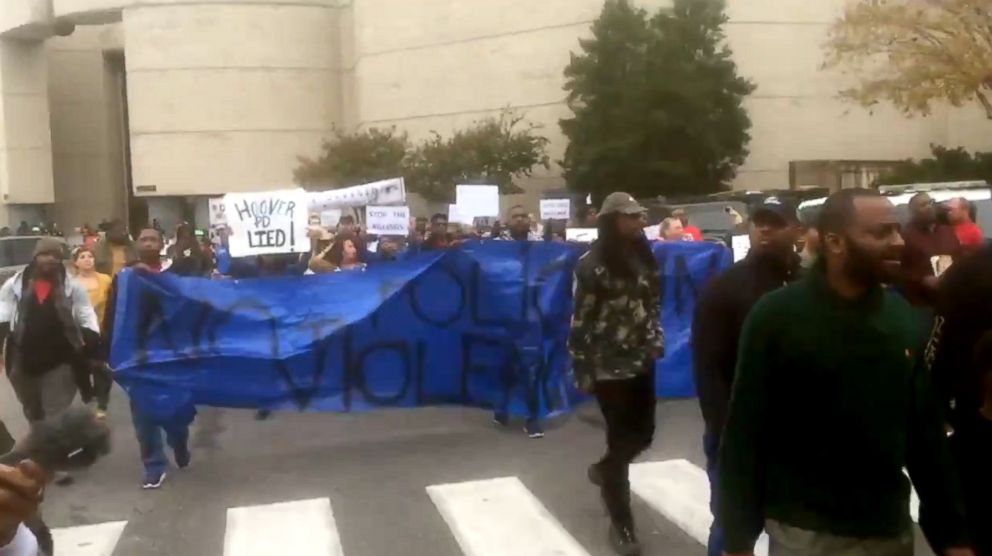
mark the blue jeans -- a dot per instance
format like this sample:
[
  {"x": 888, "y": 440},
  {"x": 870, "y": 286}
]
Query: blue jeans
[
  {"x": 711, "y": 446},
  {"x": 526, "y": 373},
  {"x": 149, "y": 433}
]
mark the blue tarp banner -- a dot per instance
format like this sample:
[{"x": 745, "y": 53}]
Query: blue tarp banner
[{"x": 484, "y": 325}]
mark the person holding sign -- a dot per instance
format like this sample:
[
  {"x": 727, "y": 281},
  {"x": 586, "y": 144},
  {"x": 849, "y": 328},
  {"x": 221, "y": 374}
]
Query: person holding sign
[
  {"x": 615, "y": 339},
  {"x": 345, "y": 254}
]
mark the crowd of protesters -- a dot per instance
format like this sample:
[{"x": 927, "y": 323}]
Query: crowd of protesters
[
  {"x": 825, "y": 372},
  {"x": 830, "y": 362}
]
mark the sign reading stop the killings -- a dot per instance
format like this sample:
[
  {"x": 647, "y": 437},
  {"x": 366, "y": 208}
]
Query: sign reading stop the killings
[
  {"x": 267, "y": 223},
  {"x": 388, "y": 221}
]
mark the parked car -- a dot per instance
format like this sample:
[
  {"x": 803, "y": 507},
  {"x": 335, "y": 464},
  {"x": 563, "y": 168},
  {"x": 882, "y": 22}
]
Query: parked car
[
  {"x": 16, "y": 252},
  {"x": 978, "y": 192}
]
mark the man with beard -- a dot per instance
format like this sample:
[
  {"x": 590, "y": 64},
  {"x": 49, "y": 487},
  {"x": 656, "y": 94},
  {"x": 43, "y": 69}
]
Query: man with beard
[
  {"x": 115, "y": 251},
  {"x": 720, "y": 311},
  {"x": 50, "y": 328},
  {"x": 519, "y": 227},
  {"x": 528, "y": 345},
  {"x": 829, "y": 406}
]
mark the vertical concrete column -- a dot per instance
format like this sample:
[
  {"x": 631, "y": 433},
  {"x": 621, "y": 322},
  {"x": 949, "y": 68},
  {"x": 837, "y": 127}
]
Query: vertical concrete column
[
  {"x": 25, "y": 135},
  {"x": 226, "y": 96}
]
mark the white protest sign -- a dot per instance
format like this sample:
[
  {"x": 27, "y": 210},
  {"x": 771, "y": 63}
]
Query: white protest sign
[
  {"x": 267, "y": 223},
  {"x": 457, "y": 216},
  {"x": 387, "y": 221},
  {"x": 477, "y": 200},
  {"x": 581, "y": 235},
  {"x": 555, "y": 209},
  {"x": 385, "y": 192},
  {"x": 740, "y": 245},
  {"x": 217, "y": 214},
  {"x": 652, "y": 232},
  {"x": 329, "y": 218}
]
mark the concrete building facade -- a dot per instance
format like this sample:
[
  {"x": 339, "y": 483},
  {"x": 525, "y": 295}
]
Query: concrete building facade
[{"x": 111, "y": 106}]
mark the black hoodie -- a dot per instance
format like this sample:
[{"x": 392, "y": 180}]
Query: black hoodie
[{"x": 716, "y": 328}]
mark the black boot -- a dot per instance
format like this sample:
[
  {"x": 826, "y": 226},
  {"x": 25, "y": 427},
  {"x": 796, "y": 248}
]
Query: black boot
[{"x": 623, "y": 539}]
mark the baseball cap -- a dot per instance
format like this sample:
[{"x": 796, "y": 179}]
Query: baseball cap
[
  {"x": 777, "y": 206},
  {"x": 621, "y": 203}
]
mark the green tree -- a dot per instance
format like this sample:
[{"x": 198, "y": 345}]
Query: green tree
[
  {"x": 946, "y": 165},
  {"x": 494, "y": 151},
  {"x": 912, "y": 52},
  {"x": 657, "y": 103},
  {"x": 355, "y": 158}
]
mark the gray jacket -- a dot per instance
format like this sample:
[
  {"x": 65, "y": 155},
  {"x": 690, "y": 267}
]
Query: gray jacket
[{"x": 75, "y": 308}]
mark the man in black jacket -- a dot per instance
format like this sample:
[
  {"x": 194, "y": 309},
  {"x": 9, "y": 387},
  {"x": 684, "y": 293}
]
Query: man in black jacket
[
  {"x": 964, "y": 309},
  {"x": 719, "y": 316}
]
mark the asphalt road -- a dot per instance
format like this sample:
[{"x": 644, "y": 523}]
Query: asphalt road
[{"x": 374, "y": 470}]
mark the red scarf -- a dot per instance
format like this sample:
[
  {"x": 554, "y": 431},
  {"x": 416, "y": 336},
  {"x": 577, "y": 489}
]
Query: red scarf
[{"x": 42, "y": 289}]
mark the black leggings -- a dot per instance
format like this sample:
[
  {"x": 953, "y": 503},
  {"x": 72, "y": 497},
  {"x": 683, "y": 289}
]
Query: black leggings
[{"x": 629, "y": 408}]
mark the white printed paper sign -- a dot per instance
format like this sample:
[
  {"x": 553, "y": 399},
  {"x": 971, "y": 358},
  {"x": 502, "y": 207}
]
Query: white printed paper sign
[
  {"x": 330, "y": 218},
  {"x": 477, "y": 200},
  {"x": 457, "y": 216},
  {"x": 740, "y": 245},
  {"x": 267, "y": 223},
  {"x": 218, "y": 214},
  {"x": 388, "y": 221},
  {"x": 581, "y": 235},
  {"x": 555, "y": 209}
]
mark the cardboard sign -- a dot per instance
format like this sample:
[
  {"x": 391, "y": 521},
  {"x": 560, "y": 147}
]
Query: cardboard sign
[
  {"x": 457, "y": 216},
  {"x": 387, "y": 221},
  {"x": 482, "y": 222},
  {"x": 581, "y": 235},
  {"x": 267, "y": 223},
  {"x": 556, "y": 209},
  {"x": 477, "y": 200},
  {"x": 385, "y": 192}
]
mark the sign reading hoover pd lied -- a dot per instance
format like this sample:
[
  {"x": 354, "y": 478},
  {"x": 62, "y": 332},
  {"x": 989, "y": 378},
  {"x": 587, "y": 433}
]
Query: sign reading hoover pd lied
[
  {"x": 388, "y": 221},
  {"x": 267, "y": 223}
]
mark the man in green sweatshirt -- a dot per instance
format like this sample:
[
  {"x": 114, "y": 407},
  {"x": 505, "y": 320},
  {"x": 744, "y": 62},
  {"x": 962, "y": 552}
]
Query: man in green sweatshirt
[{"x": 829, "y": 406}]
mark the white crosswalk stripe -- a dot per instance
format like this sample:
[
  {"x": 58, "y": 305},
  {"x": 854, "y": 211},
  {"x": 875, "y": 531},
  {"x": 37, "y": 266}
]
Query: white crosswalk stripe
[
  {"x": 303, "y": 528},
  {"x": 680, "y": 491},
  {"x": 501, "y": 517},
  {"x": 491, "y": 517},
  {"x": 88, "y": 540}
]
